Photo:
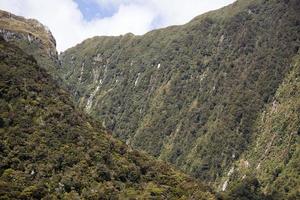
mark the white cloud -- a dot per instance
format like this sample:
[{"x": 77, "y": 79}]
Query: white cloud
[{"x": 69, "y": 27}]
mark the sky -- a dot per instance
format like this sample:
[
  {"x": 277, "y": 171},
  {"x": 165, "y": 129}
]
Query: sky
[{"x": 72, "y": 21}]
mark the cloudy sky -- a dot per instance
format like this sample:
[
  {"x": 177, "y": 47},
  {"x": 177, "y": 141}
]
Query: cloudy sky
[{"x": 72, "y": 21}]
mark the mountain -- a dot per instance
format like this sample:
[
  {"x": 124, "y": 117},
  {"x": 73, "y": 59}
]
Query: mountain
[
  {"x": 33, "y": 37},
  {"x": 49, "y": 149},
  {"x": 217, "y": 97},
  {"x": 194, "y": 95},
  {"x": 274, "y": 155}
]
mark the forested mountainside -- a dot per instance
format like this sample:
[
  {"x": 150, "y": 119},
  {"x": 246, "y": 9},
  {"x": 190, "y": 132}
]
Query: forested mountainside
[
  {"x": 51, "y": 150},
  {"x": 273, "y": 156},
  {"x": 194, "y": 95},
  {"x": 218, "y": 97}
]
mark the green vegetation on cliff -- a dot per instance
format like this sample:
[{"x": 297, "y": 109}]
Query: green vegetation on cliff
[
  {"x": 218, "y": 97},
  {"x": 192, "y": 94},
  {"x": 51, "y": 150},
  {"x": 274, "y": 155}
]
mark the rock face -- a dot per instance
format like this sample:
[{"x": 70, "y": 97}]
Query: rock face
[
  {"x": 191, "y": 94},
  {"x": 33, "y": 37},
  {"x": 51, "y": 150}
]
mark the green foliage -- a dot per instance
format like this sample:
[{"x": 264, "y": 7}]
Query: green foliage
[
  {"x": 190, "y": 94},
  {"x": 273, "y": 156},
  {"x": 51, "y": 150},
  {"x": 218, "y": 92},
  {"x": 248, "y": 189}
]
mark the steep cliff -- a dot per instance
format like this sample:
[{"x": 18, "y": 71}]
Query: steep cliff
[
  {"x": 191, "y": 94},
  {"x": 273, "y": 156},
  {"x": 218, "y": 97}
]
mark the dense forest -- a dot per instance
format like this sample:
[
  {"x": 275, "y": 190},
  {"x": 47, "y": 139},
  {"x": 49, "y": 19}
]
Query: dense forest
[
  {"x": 194, "y": 95},
  {"x": 49, "y": 149},
  {"x": 218, "y": 98}
]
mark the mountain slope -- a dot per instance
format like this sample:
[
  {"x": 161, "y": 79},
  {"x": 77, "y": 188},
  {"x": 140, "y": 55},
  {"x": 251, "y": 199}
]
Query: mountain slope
[
  {"x": 273, "y": 157},
  {"x": 33, "y": 37},
  {"x": 189, "y": 94},
  {"x": 49, "y": 149}
]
